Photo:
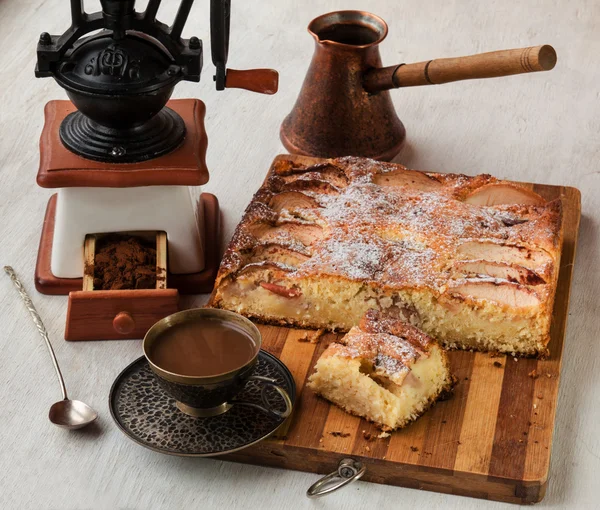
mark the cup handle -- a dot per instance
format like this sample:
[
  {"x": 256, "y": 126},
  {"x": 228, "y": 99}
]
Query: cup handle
[{"x": 267, "y": 408}]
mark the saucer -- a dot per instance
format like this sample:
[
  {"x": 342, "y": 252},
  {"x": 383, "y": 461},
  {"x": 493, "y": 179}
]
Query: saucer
[{"x": 148, "y": 416}]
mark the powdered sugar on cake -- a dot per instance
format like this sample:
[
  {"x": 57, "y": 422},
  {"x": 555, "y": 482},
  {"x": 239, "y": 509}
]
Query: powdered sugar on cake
[{"x": 398, "y": 235}]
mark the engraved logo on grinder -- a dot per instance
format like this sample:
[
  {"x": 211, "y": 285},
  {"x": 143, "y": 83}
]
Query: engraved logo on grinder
[{"x": 114, "y": 61}]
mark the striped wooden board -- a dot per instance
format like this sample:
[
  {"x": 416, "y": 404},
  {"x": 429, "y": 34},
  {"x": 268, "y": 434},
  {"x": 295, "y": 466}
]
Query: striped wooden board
[{"x": 491, "y": 440}]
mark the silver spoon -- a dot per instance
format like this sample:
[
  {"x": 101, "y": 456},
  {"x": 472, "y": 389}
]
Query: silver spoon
[{"x": 68, "y": 414}]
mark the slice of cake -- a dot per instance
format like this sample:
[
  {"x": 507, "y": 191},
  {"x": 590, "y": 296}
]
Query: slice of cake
[
  {"x": 386, "y": 371},
  {"x": 472, "y": 261}
]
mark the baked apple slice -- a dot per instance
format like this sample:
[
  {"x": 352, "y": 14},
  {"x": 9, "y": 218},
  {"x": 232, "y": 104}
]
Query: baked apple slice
[
  {"x": 535, "y": 260},
  {"x": 507, "y": 293},
  {"x": 505, "y": 271},
  {"x": 305, "y": 233},
  {"x": 328, "y": 173},
  {"x": 292, "y": 201},
  {"x": 503, "y": 193},
  {"x": 409, "y": 179},
  {"x": 277, "y": 253}
]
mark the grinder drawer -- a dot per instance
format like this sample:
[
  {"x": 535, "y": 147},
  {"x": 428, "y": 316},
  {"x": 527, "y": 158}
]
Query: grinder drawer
[{"x": 119, "y": 314}]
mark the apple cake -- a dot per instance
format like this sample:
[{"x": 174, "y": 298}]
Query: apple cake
[
  {"x": 384, "y": 370},
  {"x": 472, "y": 261}
]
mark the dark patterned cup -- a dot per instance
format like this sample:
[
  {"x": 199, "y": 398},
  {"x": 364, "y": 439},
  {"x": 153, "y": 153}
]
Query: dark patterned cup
[{"x": 204, "y": 396}]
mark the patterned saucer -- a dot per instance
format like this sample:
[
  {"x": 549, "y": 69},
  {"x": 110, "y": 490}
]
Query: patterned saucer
[{"x": 148, "y": 416}]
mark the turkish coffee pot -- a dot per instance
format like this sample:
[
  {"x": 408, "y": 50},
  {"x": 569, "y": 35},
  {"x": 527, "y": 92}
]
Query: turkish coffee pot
[
  {"x": 344, "y": 107},
  {"x": 121, "y": 78}
]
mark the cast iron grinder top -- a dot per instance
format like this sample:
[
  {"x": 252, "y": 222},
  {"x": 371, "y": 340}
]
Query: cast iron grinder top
[{"x": 121, "y": 78}]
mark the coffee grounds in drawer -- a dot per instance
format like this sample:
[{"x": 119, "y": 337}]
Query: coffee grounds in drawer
[{"x": 124, "y": 262}]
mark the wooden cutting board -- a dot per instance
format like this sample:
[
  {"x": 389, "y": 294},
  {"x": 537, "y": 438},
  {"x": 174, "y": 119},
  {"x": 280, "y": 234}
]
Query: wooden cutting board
[{"x": 491, "y": 440}]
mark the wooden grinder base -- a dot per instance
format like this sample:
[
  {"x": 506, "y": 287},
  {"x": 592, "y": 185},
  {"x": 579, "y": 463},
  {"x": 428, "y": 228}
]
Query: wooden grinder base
[{"x": 196, "y": 283}]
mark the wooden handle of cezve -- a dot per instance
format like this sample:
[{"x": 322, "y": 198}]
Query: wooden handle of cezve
[
  {"x": 264, "y": 81},
  {"x": 444, "y": 70}
]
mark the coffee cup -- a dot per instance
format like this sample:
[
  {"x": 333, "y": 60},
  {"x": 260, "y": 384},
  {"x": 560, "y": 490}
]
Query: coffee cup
[{"x": 204, "y": 357}]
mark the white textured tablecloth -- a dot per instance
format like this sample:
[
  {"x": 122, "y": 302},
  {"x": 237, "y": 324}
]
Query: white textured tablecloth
[{"x": 543, "y": 127}]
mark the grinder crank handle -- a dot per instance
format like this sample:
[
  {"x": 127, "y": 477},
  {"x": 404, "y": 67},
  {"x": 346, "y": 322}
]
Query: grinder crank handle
[
  {"x": 264, "y": 81},
  {"x": 445, "y": 70}
]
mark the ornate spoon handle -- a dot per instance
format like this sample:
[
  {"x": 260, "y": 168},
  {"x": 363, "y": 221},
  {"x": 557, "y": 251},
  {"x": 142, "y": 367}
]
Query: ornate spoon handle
[{"x": 38, "y": 322}]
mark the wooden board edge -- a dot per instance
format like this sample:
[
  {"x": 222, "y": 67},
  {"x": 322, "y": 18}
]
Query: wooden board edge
[
  {"x": 571, "y": 229},
  {"x": 445, "y": 481}
]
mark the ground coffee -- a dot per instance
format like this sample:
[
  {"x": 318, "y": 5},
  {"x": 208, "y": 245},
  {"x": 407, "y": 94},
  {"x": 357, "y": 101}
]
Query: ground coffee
[{"x": 124, "y": 262}]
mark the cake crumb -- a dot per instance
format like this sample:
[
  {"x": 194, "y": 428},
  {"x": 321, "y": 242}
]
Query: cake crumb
[
  {"x": 533, "y": 374},
  {"x": 535, "y": 407},
  {"x": 317, "y": 336},
  {"x": 312, "y": 337},
  {"x": 383, "y": 435},
  {"x": 340, "y": 434},
  {"x": 367, "y": 448},
  {"x": 540, "y": 396}
]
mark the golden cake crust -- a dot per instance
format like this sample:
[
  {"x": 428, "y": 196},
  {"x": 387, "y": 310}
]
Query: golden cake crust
[{"x": 394, "y": 229}]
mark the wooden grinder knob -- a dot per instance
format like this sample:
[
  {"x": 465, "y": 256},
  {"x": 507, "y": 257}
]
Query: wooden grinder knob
[
  {"x": 263, "y": 81},
  {"x": 123, "y": 323}
]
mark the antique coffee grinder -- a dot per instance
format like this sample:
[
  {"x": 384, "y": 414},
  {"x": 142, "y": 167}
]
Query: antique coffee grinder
[{"x": 123, "y": 157}]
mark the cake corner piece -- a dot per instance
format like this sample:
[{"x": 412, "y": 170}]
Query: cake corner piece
[{"x": 385, "y": 370}]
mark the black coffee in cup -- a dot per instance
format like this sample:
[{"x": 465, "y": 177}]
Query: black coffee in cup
[
  {"x": 204, "y": 358},
  {"x": 203, "y": 347}
]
